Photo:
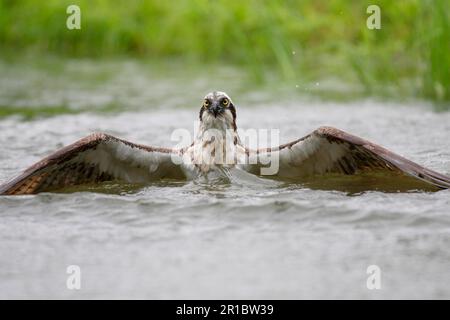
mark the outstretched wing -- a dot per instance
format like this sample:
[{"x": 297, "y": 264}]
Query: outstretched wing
[
  {"x": 330, "y": 150},
  {"x": 95, "y": 158}
]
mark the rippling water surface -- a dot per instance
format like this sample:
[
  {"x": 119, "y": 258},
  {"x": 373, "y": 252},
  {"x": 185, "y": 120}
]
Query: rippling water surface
[{"x": 195, "y": 240}]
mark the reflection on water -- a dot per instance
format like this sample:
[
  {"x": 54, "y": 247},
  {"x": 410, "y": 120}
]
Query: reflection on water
[
  {"x": 356, "y": 184},
  {"x": 351, "y": 184},
  {"x": 248, "y": 238}
]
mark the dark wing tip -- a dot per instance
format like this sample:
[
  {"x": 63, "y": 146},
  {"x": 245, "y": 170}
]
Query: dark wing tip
[
  {"x": 29, "y": 180},
  {"x": 407, "y": 166},
  {"x": 68, "y": 166}
]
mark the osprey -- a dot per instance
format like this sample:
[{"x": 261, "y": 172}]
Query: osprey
[{"x": 216, "y": 150}]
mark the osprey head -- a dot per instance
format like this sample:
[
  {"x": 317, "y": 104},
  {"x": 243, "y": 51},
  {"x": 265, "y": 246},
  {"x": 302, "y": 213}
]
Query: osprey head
[{"x": 218, "y": 111}]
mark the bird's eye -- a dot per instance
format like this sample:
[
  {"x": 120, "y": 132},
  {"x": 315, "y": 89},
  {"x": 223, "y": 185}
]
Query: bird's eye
[
  {"x": 225, "y": 102},
  {"x": 206, "y": 103}
]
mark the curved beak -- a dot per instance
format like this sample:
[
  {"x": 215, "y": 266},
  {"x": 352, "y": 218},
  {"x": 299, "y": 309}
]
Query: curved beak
[{"x": 216, "y": 109}]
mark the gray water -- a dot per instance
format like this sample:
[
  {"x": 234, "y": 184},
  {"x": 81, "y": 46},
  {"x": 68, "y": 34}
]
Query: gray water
[{"x": 193, "y": 240}]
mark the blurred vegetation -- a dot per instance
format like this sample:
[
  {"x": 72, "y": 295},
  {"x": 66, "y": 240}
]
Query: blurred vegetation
[{"x": 308, "y": 40}]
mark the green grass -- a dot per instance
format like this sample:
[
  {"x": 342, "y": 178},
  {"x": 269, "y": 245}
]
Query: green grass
[{"x": 309, "y": 40}]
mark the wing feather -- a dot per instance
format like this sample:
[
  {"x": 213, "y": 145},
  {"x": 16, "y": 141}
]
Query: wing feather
[
  {"x": 95, "y": 158},
  {"x": 330, "y": 150}
]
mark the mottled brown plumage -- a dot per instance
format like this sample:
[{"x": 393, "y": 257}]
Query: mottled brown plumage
[
  {"x": 70, "y": 166},
  {"x": 330, "y": 150},
  {"x": 101, "y": 157}
]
